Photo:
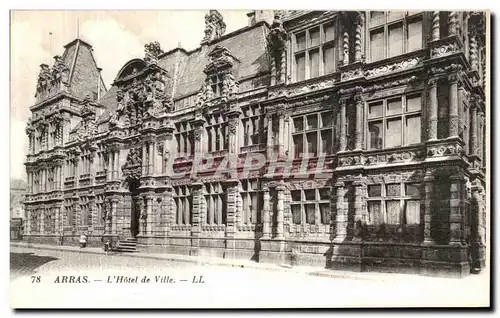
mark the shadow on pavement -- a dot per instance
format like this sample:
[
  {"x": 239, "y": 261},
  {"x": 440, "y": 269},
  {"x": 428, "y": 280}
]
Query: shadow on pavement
[{"x": 23, "y": 264}]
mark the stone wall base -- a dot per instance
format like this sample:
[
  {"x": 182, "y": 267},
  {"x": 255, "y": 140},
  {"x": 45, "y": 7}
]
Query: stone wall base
[{"x": 423, "y": 259}]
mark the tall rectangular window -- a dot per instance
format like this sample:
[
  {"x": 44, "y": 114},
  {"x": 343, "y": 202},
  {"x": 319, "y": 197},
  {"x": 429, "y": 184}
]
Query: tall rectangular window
[
  {"x": 314, "y": 52},
  {"x": 311, "y": 206},
  {"x": 394, "y": 122},
  {"x": 393, "y": 33},
  {"x": 313, "y": 134}
]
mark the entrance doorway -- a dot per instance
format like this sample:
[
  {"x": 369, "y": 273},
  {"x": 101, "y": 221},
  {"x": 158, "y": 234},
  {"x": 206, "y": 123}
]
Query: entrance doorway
[{"x": 135, "y": 213}]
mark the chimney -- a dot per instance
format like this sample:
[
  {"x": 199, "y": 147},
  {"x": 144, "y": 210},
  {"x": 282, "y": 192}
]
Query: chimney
[
  {"x": 99, "y": 83},
  {"x": 256, "y": 16}
]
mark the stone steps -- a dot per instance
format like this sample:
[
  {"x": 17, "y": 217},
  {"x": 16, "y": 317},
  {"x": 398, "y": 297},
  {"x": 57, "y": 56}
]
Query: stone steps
[{"x": 127, "y": 245}]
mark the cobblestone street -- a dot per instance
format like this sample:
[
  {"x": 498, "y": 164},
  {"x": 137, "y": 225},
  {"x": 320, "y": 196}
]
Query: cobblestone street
[{"x": 182, "y": 285}]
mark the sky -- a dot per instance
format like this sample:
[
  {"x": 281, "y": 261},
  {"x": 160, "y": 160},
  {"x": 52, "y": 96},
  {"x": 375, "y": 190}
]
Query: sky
[{"x": 116, "y": 36}]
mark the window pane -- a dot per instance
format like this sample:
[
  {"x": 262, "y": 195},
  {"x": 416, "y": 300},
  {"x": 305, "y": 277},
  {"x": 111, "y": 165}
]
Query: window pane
[
  {"x": 374, "y": 213},
  {"x": 296, "y": 214},
  {"x": 325, "y": 194},
  {"x": 374, "y": 190},
  {"x": 313, "y": 37},
  {"x": 327, "y": 119},
  {"x": 413, "y": 130},
  {"x": 324, "y": 210},
  {"x": 310, "y": 213},
  {"x": 298, "y": 123},
  {"x": 312, "y": 121},
  {"x": 393, "y": 208},
  {"x": 414, "y": 35},
  {"x": 377, "y": 17},
  {"x": 312, "y": 144},
  {"x": 298, "y": 146},
  {"x": 300, "y": 66},
  {"x": 393, "y": 190},
  {"x": 393, "y": 135},
  {"x": 329, "y": 31},
  {"x": 375, "y": 110},
  {"x": 395, "y": 40},
  {"x": 394, "y": 106},
  {"x": 375, "y": 140},
  {"x": 326, "y": 141},
  {"x": 301, "y": 41},
  {"x": 413, "y": 103},
  {"x": 377, "y": 45},
  {"x": 310, "y": 195},
  {"x": 313, "y": 63},
  {"x": 413, "y": 189},
  {"x": 329, "y": 59},
  {"x": 412, "y": 211},
  {"x": 295, "y": 194}
]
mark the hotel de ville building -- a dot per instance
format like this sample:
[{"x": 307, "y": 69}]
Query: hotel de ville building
[{"x": 371, "y": 124}]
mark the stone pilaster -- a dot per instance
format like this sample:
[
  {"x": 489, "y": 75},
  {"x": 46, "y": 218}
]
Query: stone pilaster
[
  {"x": 341, "y": 215},
  {"x": 456, "y": 213},
  {"x": 435, "y": 26},
  {"x": 197, "y": 193},
  {"x": 433, "y": 110},
  {"x": 149, "y": 213},
  {"x": 58, "y": 219},
  {"x": 266, "y": 213},
  {"x": 151, "y": 157},
  {"x": 117, "y": 164},
  {"x": 343, "y": 135},
  {"x": 232, "y": 192},
  {"x": 233, "y": 124},
  {"x": 42, "y": 220},
  {"x": 473, "y": 128},
  {"x": 270, "y": 144},
  {"x": 114, "y": 213},
  {"x": 281, "y": 131},
  {"x": 27, "y": 228},
  {"x": 144, "y": 156},
  {"x": 453, "y": 105},
  {"x": 428, "y": 204},
  {"x": 359, "y": 192},
  {"x": 473, "y": 52}
]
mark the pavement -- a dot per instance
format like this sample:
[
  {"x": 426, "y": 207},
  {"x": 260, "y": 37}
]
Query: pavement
[{"x": 177, "y": 281}]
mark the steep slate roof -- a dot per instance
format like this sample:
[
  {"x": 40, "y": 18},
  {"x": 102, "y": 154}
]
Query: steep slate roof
[
  {"x": 185, "y": 69},
  {"x": 84, "y": 72}
]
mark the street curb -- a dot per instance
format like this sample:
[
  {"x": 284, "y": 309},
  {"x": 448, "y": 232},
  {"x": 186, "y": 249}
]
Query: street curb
[{"x": 179, "y": 260}]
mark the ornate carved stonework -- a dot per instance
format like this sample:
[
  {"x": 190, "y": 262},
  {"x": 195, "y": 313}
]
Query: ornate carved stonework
[
  {"x": 445, "y": 49},
  {"x": 220, "y": 59},
  {"x": 396, "y": 67},
  {"x": 132, "y": 166},
  {"x": 152, "y": 50},
  {"x": 214, "y": 26}
]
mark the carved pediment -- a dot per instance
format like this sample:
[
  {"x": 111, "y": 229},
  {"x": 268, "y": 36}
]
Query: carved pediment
[{"x": 220, "y": 59}]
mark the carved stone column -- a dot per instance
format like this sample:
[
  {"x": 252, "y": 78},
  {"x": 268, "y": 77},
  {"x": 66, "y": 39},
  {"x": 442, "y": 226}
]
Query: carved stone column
[
  {"x": 144, "y": 156},
  {"x": 433, "y": 109},
  {"x": 452, "y": 23},
  {"x": 429, "y": 192},
  {"x": 358, "y": 52},
  {"x": 359, "y": 121},
  {"x": 232, "y": 192},
  {"x": 117, "y": 164},
  {"x": 280, "y": 210},
  {"x": 345, "y": 43},
  {"x": 341, "y": 218},
  {"x": 456, "y": 215},
  {"x": 42, "y": 221},
  {"x": 58, "y": 218},
  {"x": 197, "y": 192},
  {"x": 233, "y": 132},
  {"x": 266, "y": 213},
  {"x": 343, "y": 135},
  {"x": 453, "y": 104},
  {"x": 473, "y": 128},
  {"x": 435, "y": 26},
  {"x": 110, "y": 165},
  {"x": 473, "y": 53}
]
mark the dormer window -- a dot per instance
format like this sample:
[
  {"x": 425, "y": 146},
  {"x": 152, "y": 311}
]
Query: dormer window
[{"x": 216, "y": 83}]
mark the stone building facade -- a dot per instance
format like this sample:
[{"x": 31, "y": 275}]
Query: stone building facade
[{"x": 371, "y": 126}]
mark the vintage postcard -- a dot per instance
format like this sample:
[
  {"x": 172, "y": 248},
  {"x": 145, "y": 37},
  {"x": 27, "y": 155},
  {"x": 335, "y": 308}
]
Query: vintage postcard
[{"x": 246, "y": 158}]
